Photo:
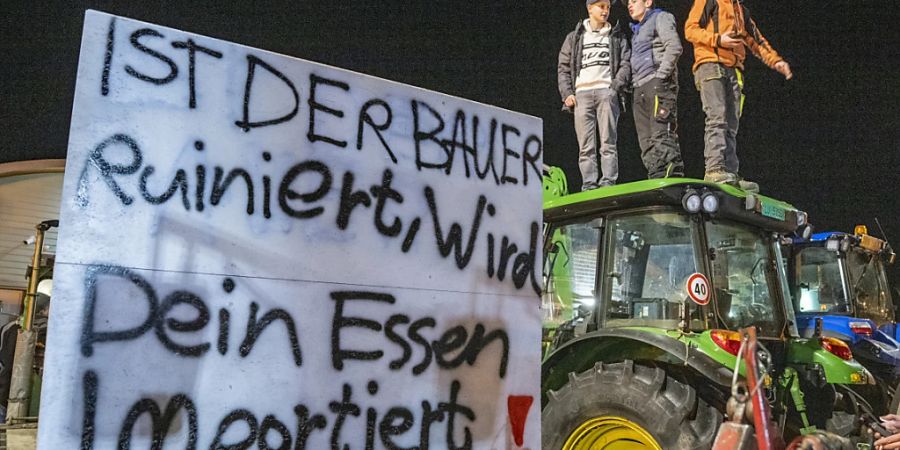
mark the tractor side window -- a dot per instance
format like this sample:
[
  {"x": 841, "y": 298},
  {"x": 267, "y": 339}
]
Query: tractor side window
[
  {"x": 742, "y": 271},
  {"x": 651, "y": 258},
  {"x": 570, "y": 273},
  {"x": 820, "y": 285},
  {"x": 869, "y": 286}
]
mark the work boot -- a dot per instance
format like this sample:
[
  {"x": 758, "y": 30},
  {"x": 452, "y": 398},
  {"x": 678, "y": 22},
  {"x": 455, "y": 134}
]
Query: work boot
[
  {"x": 722, "y": 177},
  {"x": 748, "y": 186},
  {"x": 733, "y": 179}
]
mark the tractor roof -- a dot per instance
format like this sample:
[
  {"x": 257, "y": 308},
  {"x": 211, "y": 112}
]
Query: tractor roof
[
  {"x": 734, "y": 203},
  {"x": 824, "y": 236},
  {"x": 863, "y": 241}
]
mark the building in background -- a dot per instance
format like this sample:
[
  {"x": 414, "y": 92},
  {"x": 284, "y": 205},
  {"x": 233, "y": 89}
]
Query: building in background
[{"x": 29, "y": 194}]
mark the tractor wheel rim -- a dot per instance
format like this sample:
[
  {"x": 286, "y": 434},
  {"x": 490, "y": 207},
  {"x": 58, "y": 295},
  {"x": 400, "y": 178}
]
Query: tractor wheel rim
[{"x": 610, "y": 433}]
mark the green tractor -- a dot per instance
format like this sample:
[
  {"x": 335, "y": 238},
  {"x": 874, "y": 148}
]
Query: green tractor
[{"x": 646, "y": 285}]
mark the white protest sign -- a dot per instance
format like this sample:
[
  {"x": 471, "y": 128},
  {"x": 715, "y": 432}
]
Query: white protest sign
[{"x": 257, "y": 251}]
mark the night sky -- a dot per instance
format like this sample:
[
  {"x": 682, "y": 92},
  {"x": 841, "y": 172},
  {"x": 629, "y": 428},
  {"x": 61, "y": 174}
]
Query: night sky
[{"x": 826, "y": 141}]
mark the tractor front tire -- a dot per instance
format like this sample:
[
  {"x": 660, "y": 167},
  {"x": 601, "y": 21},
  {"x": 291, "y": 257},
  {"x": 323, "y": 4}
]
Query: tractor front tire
[{"x": 627, "y": 406}]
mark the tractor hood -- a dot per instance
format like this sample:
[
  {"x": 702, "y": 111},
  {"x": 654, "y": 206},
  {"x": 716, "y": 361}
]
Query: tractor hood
[
  {"x": 845, "y": 328},
  {"x": 867, "y": 342}
]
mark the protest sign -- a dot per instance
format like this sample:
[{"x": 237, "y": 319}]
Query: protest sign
[{"x": 258, "y": 251}]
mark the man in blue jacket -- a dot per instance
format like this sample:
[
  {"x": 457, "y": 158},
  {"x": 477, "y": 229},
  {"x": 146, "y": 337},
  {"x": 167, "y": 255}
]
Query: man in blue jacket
[
  {"x": 655, "y": 48},
  {"x": 594, "y": 66}
]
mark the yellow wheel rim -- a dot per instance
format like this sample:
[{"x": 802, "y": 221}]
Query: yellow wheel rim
[{"x": 610, "y": 433}]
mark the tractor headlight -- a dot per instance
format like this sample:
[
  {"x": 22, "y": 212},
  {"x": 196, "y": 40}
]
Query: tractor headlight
[
  {"x": 806, "y": 232},
  {"x": 710, "y": 202},
  {"x": 691, "y": 201},
  {"x": 845, "y": 245}
]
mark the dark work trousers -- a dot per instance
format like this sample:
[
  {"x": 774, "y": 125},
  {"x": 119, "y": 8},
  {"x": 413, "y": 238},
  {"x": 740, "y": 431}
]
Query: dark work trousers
[
  {"x": 721, "y": 91},
  {"x": 656, "y": 121}
]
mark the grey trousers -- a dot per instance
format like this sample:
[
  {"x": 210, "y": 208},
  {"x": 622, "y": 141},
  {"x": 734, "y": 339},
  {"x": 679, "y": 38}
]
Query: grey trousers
[
  {"x": 721, "y": 91},
  {"x": 596, "y": 118},
  {"x": 656, "y": 121}
]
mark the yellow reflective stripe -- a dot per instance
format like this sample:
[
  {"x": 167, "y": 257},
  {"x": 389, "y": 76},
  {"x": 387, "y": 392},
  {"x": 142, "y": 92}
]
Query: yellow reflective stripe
[
  {"x": 655, "y": 105},
  {"x": 740, "y": 80}
]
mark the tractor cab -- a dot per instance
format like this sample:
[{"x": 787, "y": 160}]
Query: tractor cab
[
  {"x": 679, "y": 255},
  {"x": 843, "y": 274},
  {"x": 840, "y": 279}
]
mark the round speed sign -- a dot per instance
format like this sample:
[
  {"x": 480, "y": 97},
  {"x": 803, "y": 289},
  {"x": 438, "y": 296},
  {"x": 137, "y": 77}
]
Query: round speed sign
[{"x": 698, "y": 288}]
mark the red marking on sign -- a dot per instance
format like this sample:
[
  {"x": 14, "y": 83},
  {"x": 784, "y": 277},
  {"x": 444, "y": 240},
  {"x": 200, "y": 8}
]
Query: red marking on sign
[
  {"x": 518, "y": 407},
  {"x": 698, "y": 288}
]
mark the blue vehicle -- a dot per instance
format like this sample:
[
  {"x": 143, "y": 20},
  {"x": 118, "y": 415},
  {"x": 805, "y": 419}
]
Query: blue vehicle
[{"x": 840, "y": 290}]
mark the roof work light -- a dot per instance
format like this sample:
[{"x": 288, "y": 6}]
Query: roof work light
[
  {"x": 691, "y": 201},
  {"x": 710, "y": 202}
]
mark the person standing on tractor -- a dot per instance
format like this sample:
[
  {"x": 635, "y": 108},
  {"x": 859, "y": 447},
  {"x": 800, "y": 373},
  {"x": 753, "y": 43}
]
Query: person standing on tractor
[
  {"x": 721, "y": 31},
  {"x": 655, "y": 48},
  {"x": 594, "y": 67}
]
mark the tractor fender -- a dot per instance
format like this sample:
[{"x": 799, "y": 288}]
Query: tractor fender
[{"x": 618, "y": 344}]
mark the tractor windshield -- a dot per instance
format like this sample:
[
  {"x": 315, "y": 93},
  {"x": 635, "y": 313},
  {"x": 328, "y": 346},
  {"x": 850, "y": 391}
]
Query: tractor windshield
[
  {"x": 744, "y": 275},
  {"x": 819, "y": 283},
  {"x": 649, "y": 259},
  {"x": 869, "y": 286}
]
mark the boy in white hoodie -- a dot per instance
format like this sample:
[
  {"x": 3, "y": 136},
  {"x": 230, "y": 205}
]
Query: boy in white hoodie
[{"x": 594, "y": 67}]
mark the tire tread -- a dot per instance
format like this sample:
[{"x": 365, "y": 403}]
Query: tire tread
[{"x": 670, "y": 410}]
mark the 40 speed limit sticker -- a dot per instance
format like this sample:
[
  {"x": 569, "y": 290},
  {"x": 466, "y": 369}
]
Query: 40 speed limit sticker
[{"x": 698, "y": 288}]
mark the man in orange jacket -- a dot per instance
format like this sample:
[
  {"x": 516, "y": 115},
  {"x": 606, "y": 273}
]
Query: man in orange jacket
[{"x": 721, "y": 31}]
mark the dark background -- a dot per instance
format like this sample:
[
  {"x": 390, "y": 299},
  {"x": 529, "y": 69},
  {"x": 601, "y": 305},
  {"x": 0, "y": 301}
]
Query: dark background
[{"x": 826, "y": 141}]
